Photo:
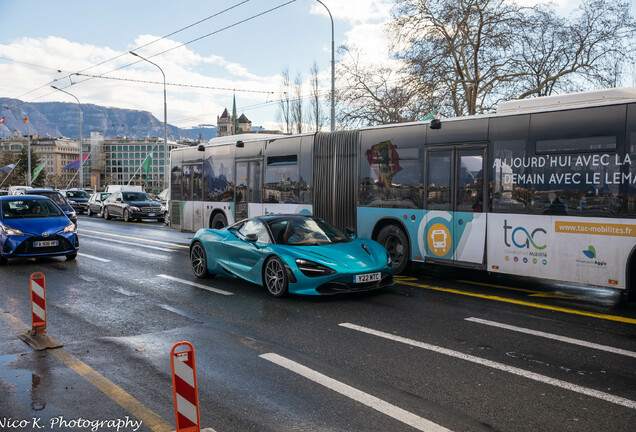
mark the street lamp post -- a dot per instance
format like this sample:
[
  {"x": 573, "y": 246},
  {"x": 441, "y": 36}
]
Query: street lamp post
[
  {"x": 165, "y": 121},
  {"x": 333, "y": 73},
  {"x": 81, "y": 150},
  {"x": 28, "y": 145}
]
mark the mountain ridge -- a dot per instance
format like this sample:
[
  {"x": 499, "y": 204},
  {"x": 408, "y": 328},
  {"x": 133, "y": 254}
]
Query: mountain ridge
[{"x": 57, "y": 119}]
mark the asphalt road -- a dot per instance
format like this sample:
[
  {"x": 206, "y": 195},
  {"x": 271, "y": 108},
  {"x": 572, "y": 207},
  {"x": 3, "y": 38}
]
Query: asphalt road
[{"x": 442, "y": 350}]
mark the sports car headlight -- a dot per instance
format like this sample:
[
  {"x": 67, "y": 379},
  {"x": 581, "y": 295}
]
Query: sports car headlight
[
  {"x": 11, "y": 231},
  {"x": 133, "y": 208},
  {"x": 313, "y": 269}
]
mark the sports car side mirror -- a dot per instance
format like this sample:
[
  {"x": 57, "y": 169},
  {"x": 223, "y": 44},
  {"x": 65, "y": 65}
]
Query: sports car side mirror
[
  {"x": 351, "y": 233},
  {"x": 251, "y": 237}
]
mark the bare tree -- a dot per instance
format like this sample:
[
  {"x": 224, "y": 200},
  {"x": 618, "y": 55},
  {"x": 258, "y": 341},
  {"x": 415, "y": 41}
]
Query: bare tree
[
  {"x": 284, "y": 102},
  {"x": 590, "y": 48},
  {"x": 315, "y": 105},
  {"x": 297, "y": 105},
  {"x": 370, "y": 95},
  {"x": 479, "y": 52},
  {"x": 463, "y": 48}
]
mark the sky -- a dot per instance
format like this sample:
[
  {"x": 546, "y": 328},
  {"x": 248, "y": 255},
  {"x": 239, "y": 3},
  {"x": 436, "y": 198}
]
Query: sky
[{"x": 209, "y": 51}]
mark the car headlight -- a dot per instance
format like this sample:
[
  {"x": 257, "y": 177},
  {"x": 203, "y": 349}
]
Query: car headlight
[
  {"x": 11, "y": 231},
  {"x": 313, "y": 269},
  {"x": 72, "y": 202},
  {"x": 162, "y": 209},
  {"x": 133, "y": 208},
  {"x": 69, "y": 228}
]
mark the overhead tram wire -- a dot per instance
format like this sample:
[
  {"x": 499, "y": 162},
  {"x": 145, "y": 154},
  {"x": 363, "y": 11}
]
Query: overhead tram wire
[
  {"x": 175, "y": 47},
  {"x": 193, "y": 40},
  {"x": 123, "y": 54},
  {"x": 176, "y": 84}
]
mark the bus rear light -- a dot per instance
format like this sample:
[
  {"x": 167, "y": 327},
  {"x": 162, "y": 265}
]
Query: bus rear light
[
  {"x": 495, "y": 267},
  {"x": 612, "y": 281},
  {"x": 418, "y": 257}
]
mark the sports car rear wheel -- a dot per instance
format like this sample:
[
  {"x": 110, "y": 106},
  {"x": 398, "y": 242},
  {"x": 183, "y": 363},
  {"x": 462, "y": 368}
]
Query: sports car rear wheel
[
  {"x": 199, "y": 260},
  {"x": 274, "y": 277}
]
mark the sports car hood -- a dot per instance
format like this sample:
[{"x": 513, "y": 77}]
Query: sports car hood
[
  {"x": 354, "y": 254},
  {"x": 37, "y": 226}
]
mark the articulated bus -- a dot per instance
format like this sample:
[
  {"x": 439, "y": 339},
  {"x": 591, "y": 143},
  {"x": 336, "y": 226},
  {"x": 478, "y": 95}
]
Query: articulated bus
[{"x": 543, "y": 188}]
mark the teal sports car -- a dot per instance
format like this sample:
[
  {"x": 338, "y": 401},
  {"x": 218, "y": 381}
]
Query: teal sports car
[{"x": 292, "y": 253}]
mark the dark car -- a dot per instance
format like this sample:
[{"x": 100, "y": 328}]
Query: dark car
[
  {"x": 58, "y": 199},
  {"x": 78, "y": 199},
  {"x": 34, "y": 226},
  {"x": 96, "y": 203},
  {"x": 131, "y": 206}
]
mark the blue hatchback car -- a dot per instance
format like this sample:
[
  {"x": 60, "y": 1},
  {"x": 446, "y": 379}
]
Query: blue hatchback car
[
  {"x": 292, "y": 253},
  {"x": 34, "y": 226}
]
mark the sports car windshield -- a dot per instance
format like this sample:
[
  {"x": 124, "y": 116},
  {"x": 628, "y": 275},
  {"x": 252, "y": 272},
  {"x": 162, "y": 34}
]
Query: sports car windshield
[
  {"x": 305, "y": 232},
  {"x": 29, "y": 208}
]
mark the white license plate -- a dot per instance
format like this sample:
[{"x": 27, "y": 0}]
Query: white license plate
[
  {"x": 45, "y": 243},
  {"x": 151, "y": 214},
  {"x": 369, "y": 277}
]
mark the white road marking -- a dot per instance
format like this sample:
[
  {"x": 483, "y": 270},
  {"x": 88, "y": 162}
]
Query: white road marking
[
  {"x": 129, "y": 243},
  {"x": 93, "y": 257},
  {"x": 196, "y": 285},
  {"x": 555, "y": 337},
  {"x": 386, "y": 408},
  {"x": 499, "y": 366},
  {"x": 136, "y": 238}
]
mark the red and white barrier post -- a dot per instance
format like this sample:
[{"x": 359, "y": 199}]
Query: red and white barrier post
[
  {"x": 184, "y": 388},
  {"x": 38, "y": 302}
]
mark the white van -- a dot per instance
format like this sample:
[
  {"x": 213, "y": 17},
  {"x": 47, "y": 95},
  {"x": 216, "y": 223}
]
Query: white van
[
  {"x": 119, "y": 188},
  {"x": 19, "y": 190}
]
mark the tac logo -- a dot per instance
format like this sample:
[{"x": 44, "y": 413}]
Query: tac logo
[
  {"x": 522, "y": 238},
  {"x": 590, "y": 252}
]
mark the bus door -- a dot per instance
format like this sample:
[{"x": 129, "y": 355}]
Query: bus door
[
  {"x": 455, "y": 221},
  {"x": 192, "y": 213},
  {"x": 247, "y": 193}
]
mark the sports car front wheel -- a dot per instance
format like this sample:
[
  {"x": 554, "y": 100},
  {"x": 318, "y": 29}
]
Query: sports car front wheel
[
  {"x": 274, "y": 277},
  {"x": 199, "y": 260}
]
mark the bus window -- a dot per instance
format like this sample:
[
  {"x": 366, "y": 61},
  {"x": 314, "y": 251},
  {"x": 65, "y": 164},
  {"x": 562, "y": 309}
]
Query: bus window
[
  {"x": 391, "y": 168},
  {"x": 197, "y": 183},
  {"x": 218, "y": 171},
  {"x": 470, "y": 181},
  {"x": 438, "y": 175},
  {"x": 281, "y": 179}
]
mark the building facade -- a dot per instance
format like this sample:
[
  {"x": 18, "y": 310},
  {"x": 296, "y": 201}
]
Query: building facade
[
  {"x": 57, "y": 152},
  {"x": 116, "y": 161},
  {"x": 120, "y": 161}
]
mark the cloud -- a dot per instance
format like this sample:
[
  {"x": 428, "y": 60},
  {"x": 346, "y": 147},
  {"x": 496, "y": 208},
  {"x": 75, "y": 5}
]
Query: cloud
[
  {"x": 134, "y": 83},
  {"x": 355, "y": 11}
]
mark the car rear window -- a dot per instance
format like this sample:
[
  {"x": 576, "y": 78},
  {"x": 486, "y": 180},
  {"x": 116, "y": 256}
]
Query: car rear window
[{"x": 139, "y": 196}]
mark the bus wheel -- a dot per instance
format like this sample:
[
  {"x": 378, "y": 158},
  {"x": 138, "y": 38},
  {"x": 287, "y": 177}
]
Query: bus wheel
[
  {"x": 395, "y": 242},
  {"x": 218, "y": 221}
]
